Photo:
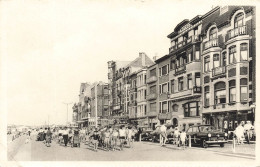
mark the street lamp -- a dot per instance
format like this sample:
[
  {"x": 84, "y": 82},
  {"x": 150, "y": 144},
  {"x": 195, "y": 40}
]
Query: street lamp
[{"x": 67, "y": 109}]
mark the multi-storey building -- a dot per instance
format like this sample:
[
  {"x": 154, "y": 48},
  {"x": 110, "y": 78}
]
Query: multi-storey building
[
  {"x": 152, "y": 96},
  {"x": 100, "y": 106},
  {"x": 120, "y": 85},
  {"x": 83, "y": 106},
  {"x": 228, "y": 73}
]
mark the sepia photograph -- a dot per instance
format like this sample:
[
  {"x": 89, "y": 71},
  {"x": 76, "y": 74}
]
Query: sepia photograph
[{"x": 134, "y": 80}]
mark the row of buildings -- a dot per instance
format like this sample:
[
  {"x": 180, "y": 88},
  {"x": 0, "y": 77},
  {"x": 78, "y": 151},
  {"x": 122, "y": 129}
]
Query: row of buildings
[{"x": 208, "y": 76}]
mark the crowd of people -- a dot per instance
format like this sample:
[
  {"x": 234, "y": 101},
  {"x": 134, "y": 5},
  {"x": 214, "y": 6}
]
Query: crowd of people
[
  {"x": 106, "y": 138},
  {"x": 244, "y": 131}
]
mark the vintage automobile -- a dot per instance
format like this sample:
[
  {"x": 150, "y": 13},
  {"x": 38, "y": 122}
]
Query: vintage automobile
[
  {"x": 206, "y": 135},
  {"x": 146, "y": 135},
  {"x": 155, "y": 135}
]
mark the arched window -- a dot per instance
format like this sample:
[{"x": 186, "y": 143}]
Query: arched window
[
  {"x": 243, "y": 51},
  {"x": 232, "y": 91},
  {"x": 213, "y": 33},
  {"x": 239, "y": 20},
  {"x": 243, "y": 89},
  {"x": 220, "y": 92}
]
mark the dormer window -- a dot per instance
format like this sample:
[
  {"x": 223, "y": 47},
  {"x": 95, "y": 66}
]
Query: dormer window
[
  {"x": 239, "y": 20},
  {"x": 213, "y": 33}
]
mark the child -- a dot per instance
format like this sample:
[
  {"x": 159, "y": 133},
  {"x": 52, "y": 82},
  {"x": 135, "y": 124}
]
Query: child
[{"x": 183, "y": 138}]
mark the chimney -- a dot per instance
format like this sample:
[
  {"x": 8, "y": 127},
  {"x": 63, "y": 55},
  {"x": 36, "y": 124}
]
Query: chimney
[{"x": 142, "y": 55}]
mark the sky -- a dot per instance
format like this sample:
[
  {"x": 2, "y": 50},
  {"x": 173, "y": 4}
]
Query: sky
[{"x": 49, "y": 47}]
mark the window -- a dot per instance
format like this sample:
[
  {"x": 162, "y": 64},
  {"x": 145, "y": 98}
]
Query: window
[
  {"x": 190, "y": 56},
  {"x": 239, "y": 20},
  {"x": 153, "y": 72},
  {"x": 164, "y": 70},
  {"x": 180, "y": 84},
  {"x": 207, "y": 95},
  {"x": 220, "y": 93},
  {"x": 191, "y": 109},
  {"x": 243, "y": 51},
  {"x": 224, "y": 59},
  {"x": 164, "y": 106},
  {"x": 216, "y": 62},
  {"x": 232, "y": 91},
  {"x": 189, "y": 80},
  {"x": 153, "y": 89},
  {"x": 172, "y": 86},
  {"x": 165, "y": 88},
  {"x": 243, "y": 89},
  {"x": 172, "y": 64},
  {"x": 206, "y": 64},
  {"x": 152, "y": 107},
  {"x": 232, "y": 55},
  {"x": 213, "y": 33},
  {"x": 197, "y": 55},
  {"x": 197, "y": 79}
]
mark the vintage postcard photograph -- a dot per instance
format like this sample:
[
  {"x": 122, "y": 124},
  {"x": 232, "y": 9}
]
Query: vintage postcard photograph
[{"x": 135, "y": 80}]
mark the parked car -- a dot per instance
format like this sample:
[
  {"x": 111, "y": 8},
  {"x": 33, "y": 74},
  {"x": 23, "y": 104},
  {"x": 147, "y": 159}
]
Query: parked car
[
  {"x": 206, "y": 135},
  {"x": 146, "y": 135}
]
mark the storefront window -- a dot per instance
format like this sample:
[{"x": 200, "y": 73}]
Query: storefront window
[
  {"x": 232, "y": 55},
  {"x": 232, "y": 91},
  {"x": 243, "y": 51},
  {"x": 243, "y": 89},
  {"x": 220, "y": 93}
]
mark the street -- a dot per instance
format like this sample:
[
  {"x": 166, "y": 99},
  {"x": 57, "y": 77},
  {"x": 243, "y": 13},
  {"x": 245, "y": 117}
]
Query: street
[{"x": 142, "y": 151}]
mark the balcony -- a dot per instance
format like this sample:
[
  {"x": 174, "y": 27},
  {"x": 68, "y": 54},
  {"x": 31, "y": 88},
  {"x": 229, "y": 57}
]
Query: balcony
[
  {"x": 181, "y": 94},
  {"x": 152, "y": 96},
  {"x": 180, "y": 69},
  {"x": 191, "y": 39},
  {"x": 219, "y": 106},
  {"x": 219, "y": 71},
  {"x": 197, "y": 89},
  {"x": 211, "y": 43},
  {"x": 238, "y": 31},
  {"x": 151, "y": 79}
]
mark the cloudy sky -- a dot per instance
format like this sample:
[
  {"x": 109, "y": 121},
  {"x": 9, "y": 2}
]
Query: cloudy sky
[{"x": 50, "y": 47}]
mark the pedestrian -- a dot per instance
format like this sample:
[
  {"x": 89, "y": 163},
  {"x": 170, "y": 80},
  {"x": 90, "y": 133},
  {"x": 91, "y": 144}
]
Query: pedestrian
[
  {"x": 130, "y": 136},
  {"x": 183, "y": 138},
  {"x": 60, "y": 138},
  {"x": 65, "y": 136},
  {"x": 114, "y": 139},
  {"x": 107, "y": 139},
  {"x": 48, "y": 137},
  {"x": 122, "y": 136},
  {"x": 176, "y": 135},
  {"x": 163, "y": 130},
  {"x": 44, "y": 135},
  {"x": 95, "y": 138},
  {"x": 248, "y": 131}
]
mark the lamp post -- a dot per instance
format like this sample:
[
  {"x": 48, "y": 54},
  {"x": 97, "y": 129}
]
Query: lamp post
[{"x": 67, "y": 110}]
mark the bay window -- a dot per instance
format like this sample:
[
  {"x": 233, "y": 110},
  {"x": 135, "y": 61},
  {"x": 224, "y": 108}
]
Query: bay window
[
  {"x": 216, "y": 62},
  {"x": 243, "y": 52},
  {"x": 232, "y": 55},
  {"x": 232, "y": 91},
  {"x": 206, "y": 63},
  {"x": 220, "y": 92},
  {"x": 243, "y": 89}
]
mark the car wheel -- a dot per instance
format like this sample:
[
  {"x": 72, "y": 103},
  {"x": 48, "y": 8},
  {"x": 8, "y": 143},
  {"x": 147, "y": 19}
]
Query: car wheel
[
  {"x": 222, "y": 145},
  {"x": 204, "y": 144}
]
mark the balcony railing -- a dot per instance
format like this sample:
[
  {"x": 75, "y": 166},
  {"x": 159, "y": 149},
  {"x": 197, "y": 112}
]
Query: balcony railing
[
  {"x": 194, "y": 38},
  {"x": 211, "y": 43},
  {"x": 151, "y": 79},
  {"x": 197, "y": 89},
  {"x": 152, "y": 96},
  {"x": 180, "y": 69},
  {"x": 218, "y": 71},
  {"x": 242, "y": 30}
]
